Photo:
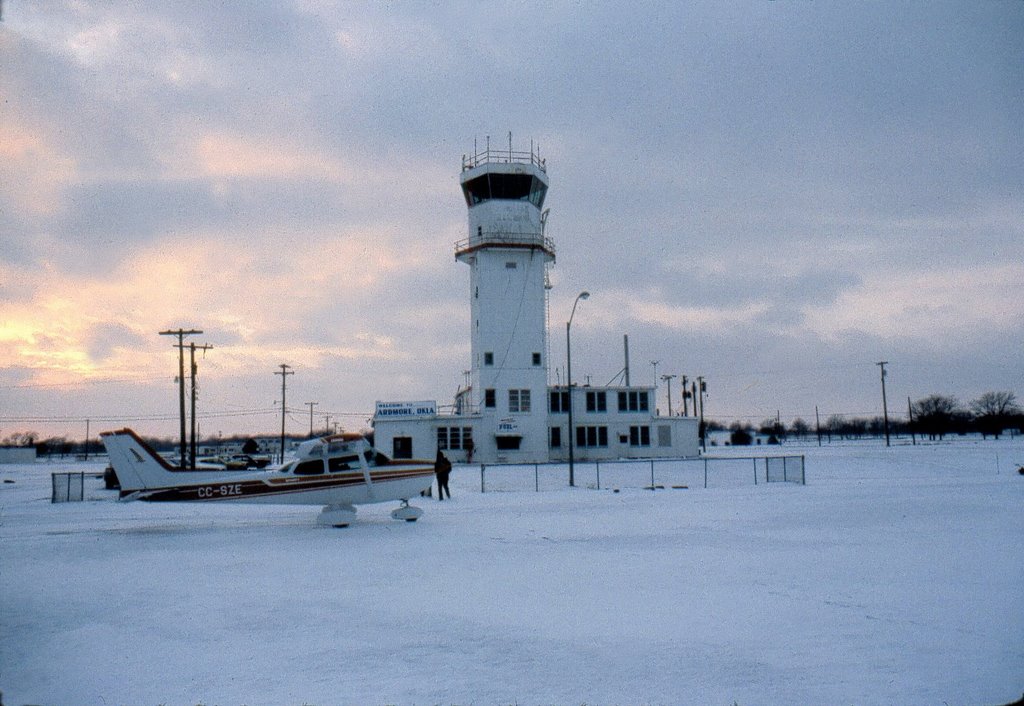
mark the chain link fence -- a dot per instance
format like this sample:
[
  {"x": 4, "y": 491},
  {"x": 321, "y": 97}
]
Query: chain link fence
[{"x": 706, "y": 472}]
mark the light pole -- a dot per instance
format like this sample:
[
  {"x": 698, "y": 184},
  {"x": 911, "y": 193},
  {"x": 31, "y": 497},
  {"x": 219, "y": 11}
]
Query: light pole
[{"x": 568, "y": 380}]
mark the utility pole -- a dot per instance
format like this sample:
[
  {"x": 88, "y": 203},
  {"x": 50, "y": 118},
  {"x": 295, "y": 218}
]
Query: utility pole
[
  {"x": 910, "y": 416},
  {"x": 686, "y": 396},
  {"x": 885, "y": 407},
  {"x": 817, "y": 423},
  {"x": 284, "y": 373},
  {"x": 702, "y": 388},
  {"x": 311, "y": 405},
  {"x": 192, "y": 353},
  {"x": 86, "y": 439},
  {"x": 668, "y": 379},
  {"x": 181, "y": 333}
]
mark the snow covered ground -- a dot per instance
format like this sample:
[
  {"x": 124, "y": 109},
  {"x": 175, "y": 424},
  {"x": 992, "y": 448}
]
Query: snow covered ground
[{"x": 895, "y": 576}]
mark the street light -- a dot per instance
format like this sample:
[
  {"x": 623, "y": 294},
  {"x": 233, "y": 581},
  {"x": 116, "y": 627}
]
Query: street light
[{"x": 568, "y": 376}]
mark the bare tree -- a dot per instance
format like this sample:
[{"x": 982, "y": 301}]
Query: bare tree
[
  {"x": 935, "y": 415},
  {"x": 800, "y": 428},
  {"x": 993, "y": 412}
]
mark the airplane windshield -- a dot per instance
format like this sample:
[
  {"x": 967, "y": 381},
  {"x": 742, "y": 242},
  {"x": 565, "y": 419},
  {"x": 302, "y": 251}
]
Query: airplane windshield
[{"x": 376, "y": 458}]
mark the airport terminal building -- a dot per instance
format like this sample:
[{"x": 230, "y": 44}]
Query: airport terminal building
[{"x": 507, "y": 412}]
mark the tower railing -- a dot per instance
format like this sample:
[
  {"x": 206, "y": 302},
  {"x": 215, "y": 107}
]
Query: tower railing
[
  {"x": 505, "y": 240},
  {"x": 491, "y": 155}
]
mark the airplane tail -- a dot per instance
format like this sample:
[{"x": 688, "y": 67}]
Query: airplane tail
[{"x": 137, "y": 465}]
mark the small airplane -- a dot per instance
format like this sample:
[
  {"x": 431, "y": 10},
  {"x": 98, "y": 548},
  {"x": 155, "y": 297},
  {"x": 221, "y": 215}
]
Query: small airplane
[{"x": 338, "y": 472}]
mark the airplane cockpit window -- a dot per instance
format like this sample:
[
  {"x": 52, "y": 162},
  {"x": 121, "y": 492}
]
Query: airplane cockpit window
[
  {"x": 309, "y": 468},
  {"x": 376, "y": 458},
  {"x": 342, "y": 463}
]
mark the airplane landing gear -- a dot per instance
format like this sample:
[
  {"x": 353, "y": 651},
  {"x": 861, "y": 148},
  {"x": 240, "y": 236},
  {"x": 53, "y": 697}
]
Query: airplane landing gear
[
  {"x": 407, "y": 512},
  {"x": 337, "y": 515}
]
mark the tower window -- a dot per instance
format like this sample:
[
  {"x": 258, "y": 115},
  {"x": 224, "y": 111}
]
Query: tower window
[
  {"x": 488, "y": 356},
  {"x": 510, "y": 265},
  {"x": 536, "y": 358},
  {"x": 514, "y": 187},
  {"x": 519, "y": 401},
  {"x": 489, "y": 400},
  {"x": 597, "y": 401}
]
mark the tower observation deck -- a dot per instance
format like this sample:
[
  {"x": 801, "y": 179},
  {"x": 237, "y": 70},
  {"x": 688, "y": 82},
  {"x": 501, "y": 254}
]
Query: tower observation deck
[{"x": 505, "y": 177}]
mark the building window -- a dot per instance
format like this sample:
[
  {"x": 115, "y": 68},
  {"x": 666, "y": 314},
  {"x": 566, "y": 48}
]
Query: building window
[
  {"x": 558, "y": 401},
  {"x": 594, "y": 436},
  {"x": 489, "y": 398},
  {"x": 518, "y": 400},
  {"x": 633, "y": 401},
  {"x": 510, "y": 265},
  {"x": 556, "y": 437},
  {"x": 597, "y": 401},
  {"x": 640, "y": 436},
  {"x": 536, "y": 358},
  {"x": 454, "y": 437},
  {"x": 507, "y": 443},
  {"x": 488, "y": 356}
]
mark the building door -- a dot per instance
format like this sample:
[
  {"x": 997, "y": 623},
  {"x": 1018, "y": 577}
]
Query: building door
[{"x": 401, "y": 447}]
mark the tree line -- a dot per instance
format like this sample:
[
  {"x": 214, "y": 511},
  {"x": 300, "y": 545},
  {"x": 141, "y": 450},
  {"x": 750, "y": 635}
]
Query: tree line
[{"x": 934, "y": 417}]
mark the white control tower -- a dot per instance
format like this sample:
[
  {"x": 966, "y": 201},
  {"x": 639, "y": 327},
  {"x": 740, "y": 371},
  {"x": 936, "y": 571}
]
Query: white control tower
[{"x": 507, "y": 253}]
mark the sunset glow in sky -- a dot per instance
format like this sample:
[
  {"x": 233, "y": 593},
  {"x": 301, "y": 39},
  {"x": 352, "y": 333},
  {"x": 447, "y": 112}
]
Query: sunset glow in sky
[{"x": 772, "y": 195}]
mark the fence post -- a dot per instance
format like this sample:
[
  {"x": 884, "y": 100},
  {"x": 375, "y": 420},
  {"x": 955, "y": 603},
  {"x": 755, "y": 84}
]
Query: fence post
[
  {"x": 652, "y": 474},
  {"x": 482, "y": 487},
  {"x": 705, "y": 472},
  {"x": 755, "y": 469},
  {"x": 803, "y": 474},
  {"x": 536, "y": 479},
  {"x": 597, "y": 467}
]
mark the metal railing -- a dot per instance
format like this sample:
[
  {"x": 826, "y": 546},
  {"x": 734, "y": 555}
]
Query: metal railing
[
  {"x": 513, "y": 240},
  {"x": 491, "y": 155},
  {"x": 678, "y": 473}
]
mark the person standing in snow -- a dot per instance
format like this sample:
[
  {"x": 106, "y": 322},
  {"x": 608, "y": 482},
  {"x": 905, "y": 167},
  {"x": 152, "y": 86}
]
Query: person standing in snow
[{"x": 442, "y": 467}]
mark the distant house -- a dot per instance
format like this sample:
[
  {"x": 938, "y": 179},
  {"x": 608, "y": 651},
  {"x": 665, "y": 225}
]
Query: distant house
[{"x": 17, "y": 454}]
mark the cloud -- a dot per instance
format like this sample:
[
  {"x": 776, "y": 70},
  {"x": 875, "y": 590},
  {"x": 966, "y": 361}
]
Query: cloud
[{"x": 787, "y": 184}]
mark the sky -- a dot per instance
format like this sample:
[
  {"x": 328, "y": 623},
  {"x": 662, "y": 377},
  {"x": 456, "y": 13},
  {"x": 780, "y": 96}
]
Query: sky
[{"x": 775, "y": 196}]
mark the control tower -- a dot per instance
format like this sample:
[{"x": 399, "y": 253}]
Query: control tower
[{"x": 508, "y": 253}]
